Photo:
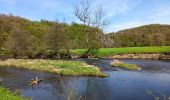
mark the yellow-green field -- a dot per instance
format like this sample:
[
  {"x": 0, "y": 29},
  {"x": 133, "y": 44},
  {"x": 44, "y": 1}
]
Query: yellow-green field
[{"x": 104, "y": 52}]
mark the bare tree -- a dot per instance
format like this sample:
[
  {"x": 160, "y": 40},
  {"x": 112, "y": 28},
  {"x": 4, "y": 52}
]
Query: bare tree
[
  {"x": 99, "y": 20},
  {"x": 93, "y": 23},
  {"x": 82, "y": 12}
]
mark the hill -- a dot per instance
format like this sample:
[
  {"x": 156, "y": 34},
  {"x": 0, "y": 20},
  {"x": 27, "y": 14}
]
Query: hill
[
  {"x": 20, "y": 36},
  {"x": 147, "y": 35}
]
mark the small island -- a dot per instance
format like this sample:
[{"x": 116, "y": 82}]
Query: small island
[
  {"x": 55, "y": 66},
  {"x": 117, "y": 63}
]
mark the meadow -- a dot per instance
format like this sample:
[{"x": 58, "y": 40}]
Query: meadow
[{"x": 104, "y": 52}]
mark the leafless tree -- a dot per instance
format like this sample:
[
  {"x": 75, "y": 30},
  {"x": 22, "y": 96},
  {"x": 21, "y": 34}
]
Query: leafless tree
[
  {"x": 82, "y": 12},
  {"x": 93, "y": 23},
  {"x": 99, "y": 20}
]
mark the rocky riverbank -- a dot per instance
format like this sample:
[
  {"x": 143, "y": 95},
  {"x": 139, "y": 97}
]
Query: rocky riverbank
[{"x": 142, "y": 56}]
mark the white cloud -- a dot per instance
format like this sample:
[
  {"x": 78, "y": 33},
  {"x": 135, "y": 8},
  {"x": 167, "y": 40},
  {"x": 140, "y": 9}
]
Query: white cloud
[{"x": 114, "y": 7}]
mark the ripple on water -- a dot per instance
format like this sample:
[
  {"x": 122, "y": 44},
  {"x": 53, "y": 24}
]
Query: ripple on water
[{"x": 121, "y": 85}]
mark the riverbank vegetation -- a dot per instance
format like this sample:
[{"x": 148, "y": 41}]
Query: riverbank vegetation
[
  {"x": 55, "y": 66},
  {"x": 8, "y": 95},
  {"x": 124, "y": 65},
  {"x": 108, "y": 52}
]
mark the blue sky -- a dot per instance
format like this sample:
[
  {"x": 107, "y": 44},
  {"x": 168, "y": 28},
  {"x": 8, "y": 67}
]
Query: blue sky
[{"x": 122, "y": 14}]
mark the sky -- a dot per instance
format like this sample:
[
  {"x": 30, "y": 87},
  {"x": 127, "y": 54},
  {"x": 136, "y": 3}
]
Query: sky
[{"x": 121, "y": 14}]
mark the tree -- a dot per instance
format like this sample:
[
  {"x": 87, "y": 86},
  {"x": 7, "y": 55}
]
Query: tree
[
  {"x": 93, "y": 24},
  {"x": 53, "y": 38},
  {"x": 58, "y": 39},
  {"x": 77, "y": 36},
  {"x": 3, "y": 38},
  {"x": 82, "y": 12},
  {"x": 159, "y": 39},
  {"x": 66, "y": 39},
  {"x": 18, "y": 43},
  {"x": 99, "y": 22}
]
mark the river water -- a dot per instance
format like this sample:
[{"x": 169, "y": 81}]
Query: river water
[{"x": 120, "y": 85}]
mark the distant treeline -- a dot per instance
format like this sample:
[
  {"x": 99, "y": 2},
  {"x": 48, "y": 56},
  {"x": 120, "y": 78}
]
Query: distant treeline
[
  {"x": 20, "y": 37},
  {"x": 148, "y": 35}
]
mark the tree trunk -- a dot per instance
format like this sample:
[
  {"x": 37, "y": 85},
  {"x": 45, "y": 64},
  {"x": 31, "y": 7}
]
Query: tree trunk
[{"x": 86, "y": 54}]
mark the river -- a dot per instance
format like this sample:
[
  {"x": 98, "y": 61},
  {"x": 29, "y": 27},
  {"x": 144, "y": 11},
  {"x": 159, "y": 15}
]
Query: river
[{"x": 120, "y": 85}]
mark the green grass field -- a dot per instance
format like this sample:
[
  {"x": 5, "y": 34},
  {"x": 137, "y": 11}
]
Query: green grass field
[{"x": 104, "y": 52}]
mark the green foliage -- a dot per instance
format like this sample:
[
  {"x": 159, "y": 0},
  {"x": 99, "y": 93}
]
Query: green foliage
[
  {"x": 20, "y": 38},
  {"x": 104, "y": 52},
  {"x": 148, "y": 35},
  {"x": 29, "y": 39},
  {"x": 77, "y": 35},
  {"x": 3, "y": 38},
  {"x": 18, "y": 43},
  {"x": 8, "y": 95}
]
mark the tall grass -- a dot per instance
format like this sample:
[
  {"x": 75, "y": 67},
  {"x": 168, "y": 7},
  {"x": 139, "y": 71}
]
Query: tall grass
[{"x": 8, "y": 95}]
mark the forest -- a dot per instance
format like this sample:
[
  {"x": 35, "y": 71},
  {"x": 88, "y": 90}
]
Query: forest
[
  {"x": 147, "y": 35},
  {"x": 21, "y": 37}
]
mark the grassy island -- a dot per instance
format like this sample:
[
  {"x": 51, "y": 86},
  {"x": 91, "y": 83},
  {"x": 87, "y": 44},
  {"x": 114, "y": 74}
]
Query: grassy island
[
  {"x": 120, "y": 64},
  {"x": 55, "y": 66}
]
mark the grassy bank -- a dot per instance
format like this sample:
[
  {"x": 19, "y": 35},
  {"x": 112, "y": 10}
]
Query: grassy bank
[
  {"x": 127, "y": 66},
  {"x": 8, "y": 95},
  {"x": 55, "y": 66},
  {"x": 105, "y": 52}
]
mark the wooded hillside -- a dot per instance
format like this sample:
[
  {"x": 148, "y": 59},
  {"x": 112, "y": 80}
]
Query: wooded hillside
[
  {"x": 20, "y": 36},
  {"x": 148, "y": 35}
]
